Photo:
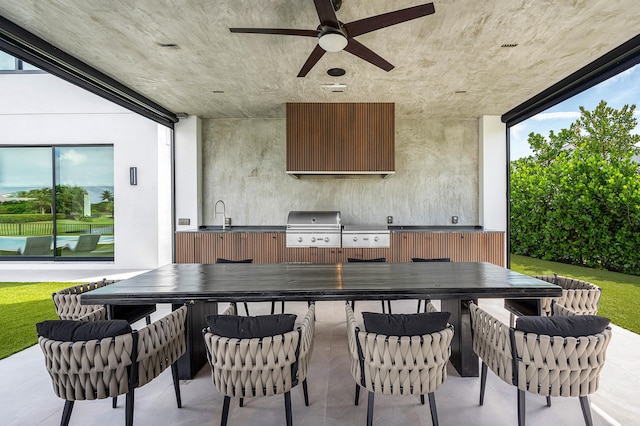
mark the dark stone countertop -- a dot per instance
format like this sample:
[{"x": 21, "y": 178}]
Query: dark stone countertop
[
  {"x": 241, "y": 229},
  {"x": 392, "y": 228}
]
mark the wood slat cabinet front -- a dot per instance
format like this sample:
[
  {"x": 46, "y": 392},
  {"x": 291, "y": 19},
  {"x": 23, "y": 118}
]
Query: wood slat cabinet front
[
  {"x": 270, "y": 247},
  {"x": 458, "y": 246},
  {"x": 263, "y": 247}
]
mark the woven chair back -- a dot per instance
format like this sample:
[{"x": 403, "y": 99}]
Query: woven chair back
[
  {"x": 68, "y": 306},
  {"x": 398, "y": 365},
  {"x": 104, "y": 368},
  {"x": 266, "y": 366},
  {"x": 580, "y": 296}
]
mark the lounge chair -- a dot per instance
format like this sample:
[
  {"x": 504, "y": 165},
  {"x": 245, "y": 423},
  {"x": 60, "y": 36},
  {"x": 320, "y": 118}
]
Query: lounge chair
[
  {"x": 36, "y": 246},
  {"x": 86, "y": 243}
]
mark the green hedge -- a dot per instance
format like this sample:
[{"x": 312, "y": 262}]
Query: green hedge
[
  {"x": 24, "y": 218},
  {"x": 582, "y": 210}
]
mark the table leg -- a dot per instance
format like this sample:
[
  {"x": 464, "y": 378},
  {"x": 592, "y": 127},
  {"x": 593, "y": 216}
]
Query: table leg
[
  {"x": 462, "y": 358},
  {"x": 195, "y": 356}
]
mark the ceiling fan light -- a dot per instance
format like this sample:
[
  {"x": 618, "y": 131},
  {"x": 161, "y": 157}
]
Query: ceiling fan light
[{"x": 333, "y": 42}]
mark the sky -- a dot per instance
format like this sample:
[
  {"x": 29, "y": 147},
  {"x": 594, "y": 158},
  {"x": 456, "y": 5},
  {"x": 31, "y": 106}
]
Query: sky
[
  {"x": 32, "y": 167},
  {"x": 617, "y": 91}
]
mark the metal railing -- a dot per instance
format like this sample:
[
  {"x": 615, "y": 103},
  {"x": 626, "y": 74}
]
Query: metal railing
[{"x": 31, "y": 228}]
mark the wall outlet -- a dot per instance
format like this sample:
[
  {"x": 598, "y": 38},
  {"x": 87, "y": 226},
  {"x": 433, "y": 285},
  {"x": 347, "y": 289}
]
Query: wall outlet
[
  {"x": 389, "y": 219},
  {"x": 454, "y": 219}
]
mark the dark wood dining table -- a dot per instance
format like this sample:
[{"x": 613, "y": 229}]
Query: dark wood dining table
[{"x": 203, "y": 286}]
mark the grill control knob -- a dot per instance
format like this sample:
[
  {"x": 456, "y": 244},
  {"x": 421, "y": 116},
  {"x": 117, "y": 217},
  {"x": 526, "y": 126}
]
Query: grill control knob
[
  {"x": 313, "y": 239},
  {"x": 376, "y": 239},
  {"x": 299, "y": 239},
  {"x": 326, "y": 239},
  {"x": 355, "y": 238}
]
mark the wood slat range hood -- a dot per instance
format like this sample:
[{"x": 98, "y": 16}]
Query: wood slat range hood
[{"x": 340, "y": 140}]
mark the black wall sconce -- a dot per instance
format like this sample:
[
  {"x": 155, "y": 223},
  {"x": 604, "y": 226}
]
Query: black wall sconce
[{"x": 133, "y": 175}]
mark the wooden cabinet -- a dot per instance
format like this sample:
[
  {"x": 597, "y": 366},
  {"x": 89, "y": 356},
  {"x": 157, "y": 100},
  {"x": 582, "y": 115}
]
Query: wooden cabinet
[
  {"x": 458, "y": 246},
  {"x": 263, "y": 247},
  {"x": 340, "y": 137},
  {"x": 312, "y": 255},
  {"x": 269, "y": 247}
]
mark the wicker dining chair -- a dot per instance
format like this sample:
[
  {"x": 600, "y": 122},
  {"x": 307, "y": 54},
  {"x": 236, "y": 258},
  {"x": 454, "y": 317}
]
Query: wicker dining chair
[
  {"x": 266, "y": 366},
  {"x": 580, "y": 296},
  {"x": 112, "y": 366},
  {"x": 68, "y": 306},
  {"x": 398, "y": 365},
  {"x": 551, "y": 366}
]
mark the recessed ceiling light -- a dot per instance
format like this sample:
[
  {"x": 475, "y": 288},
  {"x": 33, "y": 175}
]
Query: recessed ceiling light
[
  {"x": 336, "y": 72},
  {"x": 509, "y": 45}
]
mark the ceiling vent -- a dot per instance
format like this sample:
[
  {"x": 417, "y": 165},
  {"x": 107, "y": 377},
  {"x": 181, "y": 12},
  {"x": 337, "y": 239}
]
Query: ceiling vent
[
  {"x": 509, "y": 45},
  {"x": 335, "y": 87}
]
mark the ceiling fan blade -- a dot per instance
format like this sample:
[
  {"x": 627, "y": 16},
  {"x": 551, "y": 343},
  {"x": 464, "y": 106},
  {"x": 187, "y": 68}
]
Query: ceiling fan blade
[
  {"x": 313, "y": 59},
  {"x": 373, "y": 23},
  {"x": 280, "y": 31},
  {"x": 361, "y": 51},
  {"x": 326, "y": 13}
]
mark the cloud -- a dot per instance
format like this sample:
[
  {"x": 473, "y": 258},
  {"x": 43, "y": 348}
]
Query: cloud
[
  {"x": 73, "y": 156},
  {"x": 560, "y": 115}
]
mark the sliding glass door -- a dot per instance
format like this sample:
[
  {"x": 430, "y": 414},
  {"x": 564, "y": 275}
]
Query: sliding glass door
[{"x": 56, "y": 202}]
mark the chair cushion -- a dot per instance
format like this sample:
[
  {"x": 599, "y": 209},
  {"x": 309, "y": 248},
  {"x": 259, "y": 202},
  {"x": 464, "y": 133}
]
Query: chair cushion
[
  {"x": 239, "y": 327},
  {"x": 221, "y": 260},
  {"x": 358, "y": 260},
  {"x": 405, "y": 324},
  {"x": 79, "y": 331},
  {"x": 573, "y": 326}
]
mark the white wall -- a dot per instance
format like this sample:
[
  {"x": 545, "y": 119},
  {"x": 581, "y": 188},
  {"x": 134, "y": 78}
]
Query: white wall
[
  {"x": 493, "y": 173},
  {"x": 188, "y": 157},
  {"x": 43, "y": 109}
]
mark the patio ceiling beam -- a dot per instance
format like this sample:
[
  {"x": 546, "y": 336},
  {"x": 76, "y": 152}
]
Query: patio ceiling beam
[
  {"x": 30, "y": 48},
  {"x": 619, "y": 59}
]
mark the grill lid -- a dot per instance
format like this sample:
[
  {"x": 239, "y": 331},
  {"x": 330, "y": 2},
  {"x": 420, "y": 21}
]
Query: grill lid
[{"x": 313, "y": 220}]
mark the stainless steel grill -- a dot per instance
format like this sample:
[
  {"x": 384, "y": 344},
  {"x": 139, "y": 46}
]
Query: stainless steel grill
[
  {"x": 313, "y": 229},
  {"x": 366, "y": 236}
]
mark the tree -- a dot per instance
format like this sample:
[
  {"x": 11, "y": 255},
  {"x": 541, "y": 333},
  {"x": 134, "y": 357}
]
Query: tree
[
  {"x": 70, "y": 199},
  {"x": 107, "y": 196},
  {"x": 577, "y": 199}
]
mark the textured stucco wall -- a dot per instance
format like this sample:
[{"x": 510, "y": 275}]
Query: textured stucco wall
[{"x": 436, "y": 176}]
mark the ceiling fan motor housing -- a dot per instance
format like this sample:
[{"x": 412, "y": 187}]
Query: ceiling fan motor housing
[{"x": 332, "y": 39}]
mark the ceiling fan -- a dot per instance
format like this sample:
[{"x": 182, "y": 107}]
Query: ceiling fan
[{"x": 334, "y": 36}]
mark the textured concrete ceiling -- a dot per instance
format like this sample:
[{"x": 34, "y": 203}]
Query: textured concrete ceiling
[{"x": 458, "y": 49}]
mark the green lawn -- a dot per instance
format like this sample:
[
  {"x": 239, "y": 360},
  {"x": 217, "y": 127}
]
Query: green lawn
[
  {"x": 22, "y": 305},
  {"x": 620, "y": 300}
]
